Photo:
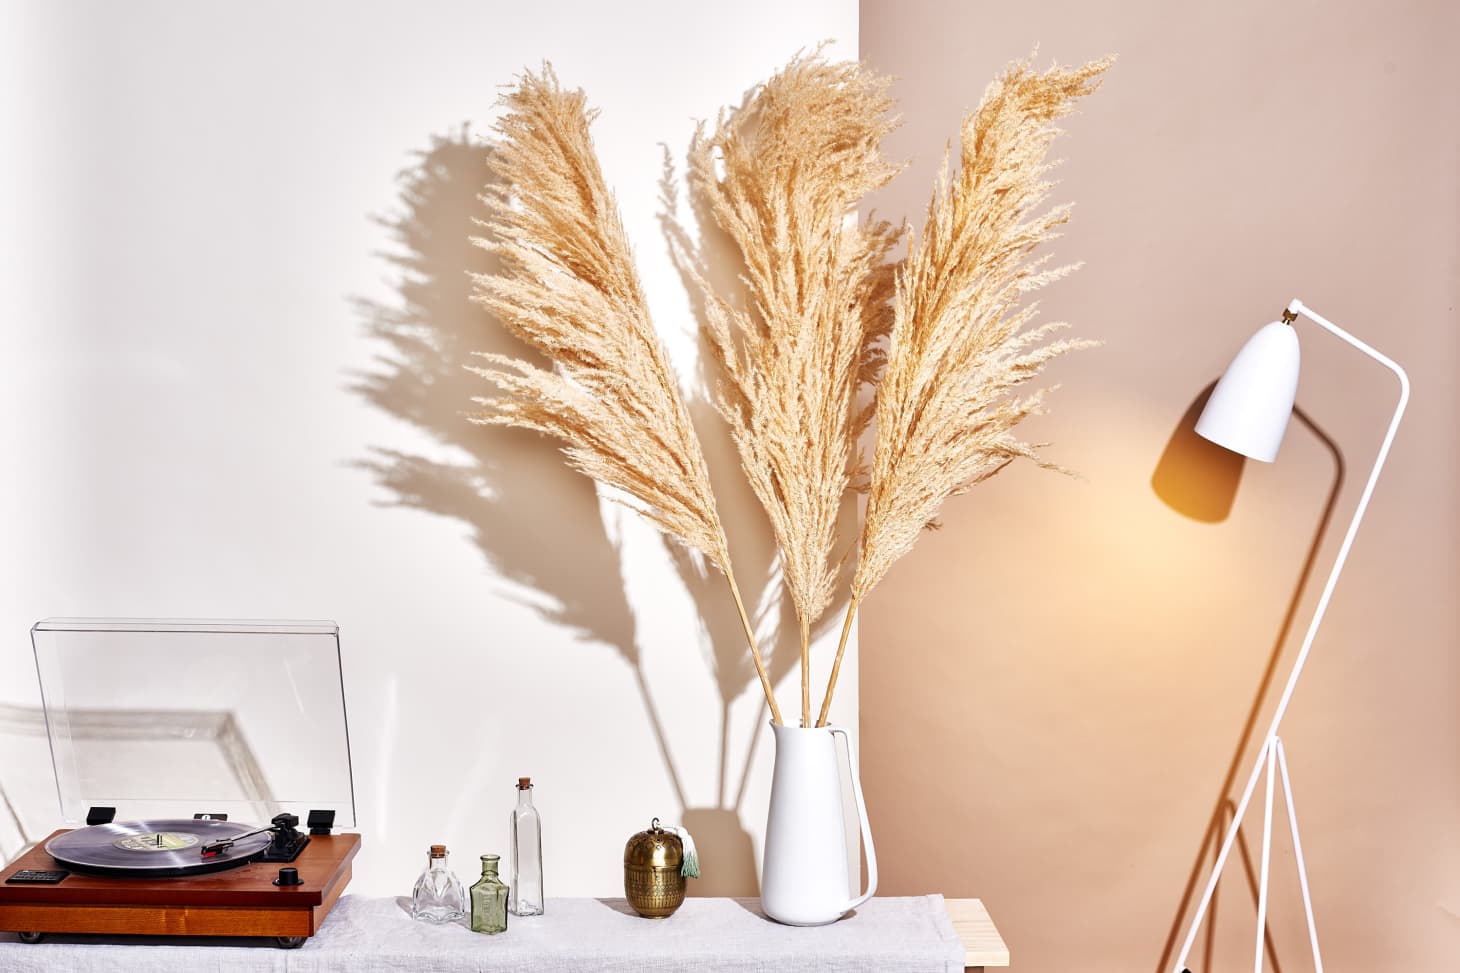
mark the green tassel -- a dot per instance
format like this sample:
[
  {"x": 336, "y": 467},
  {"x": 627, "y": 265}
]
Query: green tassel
[{"x": 691, "y": 866}]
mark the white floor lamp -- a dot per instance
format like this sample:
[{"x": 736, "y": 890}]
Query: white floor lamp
[{"x": 1247, "y": 413}]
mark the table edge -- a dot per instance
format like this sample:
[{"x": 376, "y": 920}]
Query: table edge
[{"x": 982, "y": 944}]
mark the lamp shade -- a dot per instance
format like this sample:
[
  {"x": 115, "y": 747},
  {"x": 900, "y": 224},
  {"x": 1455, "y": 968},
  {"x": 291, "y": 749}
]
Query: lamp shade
[{"x": 1249, "y": 409}]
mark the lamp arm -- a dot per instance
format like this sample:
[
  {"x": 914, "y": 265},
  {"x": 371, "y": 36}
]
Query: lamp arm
[
  {"x": 1353, "y": 528},
  {"x": 1298, "y": 307}
]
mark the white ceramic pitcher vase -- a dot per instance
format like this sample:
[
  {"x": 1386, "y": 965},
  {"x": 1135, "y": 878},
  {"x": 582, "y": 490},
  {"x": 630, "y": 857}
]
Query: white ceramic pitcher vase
[{"x": 804, "y": 874}]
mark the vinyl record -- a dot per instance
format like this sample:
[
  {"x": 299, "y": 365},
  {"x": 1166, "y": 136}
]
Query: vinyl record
[{"x": 155, "y": 849}]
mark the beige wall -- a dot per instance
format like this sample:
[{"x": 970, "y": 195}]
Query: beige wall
[{"x": 1055, "y": 687}]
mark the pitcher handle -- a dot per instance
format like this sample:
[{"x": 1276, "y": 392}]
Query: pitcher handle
[{"x": 862, "y": 817}]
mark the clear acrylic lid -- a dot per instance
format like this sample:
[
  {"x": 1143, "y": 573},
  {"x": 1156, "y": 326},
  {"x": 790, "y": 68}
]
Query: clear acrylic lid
[{"x": 171, "y": 718}]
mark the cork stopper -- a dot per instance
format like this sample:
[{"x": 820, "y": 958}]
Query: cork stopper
[
  {"x": 523, "y": 783},
  {"x": 438, "y": 851}
]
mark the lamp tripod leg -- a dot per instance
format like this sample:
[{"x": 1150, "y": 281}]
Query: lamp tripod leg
[
  {"x": 1266, "y": 860},
  {"x": 1272, "y": 758},
  {"x": 1221, "y": 862},
  {"x": 1282, "y": 764}
]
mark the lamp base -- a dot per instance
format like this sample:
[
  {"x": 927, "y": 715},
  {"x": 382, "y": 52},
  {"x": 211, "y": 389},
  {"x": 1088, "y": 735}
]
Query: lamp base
[{"x": 1273, "y": 758}]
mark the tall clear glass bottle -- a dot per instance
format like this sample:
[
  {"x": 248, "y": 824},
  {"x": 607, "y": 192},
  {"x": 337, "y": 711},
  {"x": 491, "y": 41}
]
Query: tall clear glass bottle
[
  {"x": 489, "y": 900},
  {"x": 525, "y": 898},
  {"x": 438, "y": 895}
]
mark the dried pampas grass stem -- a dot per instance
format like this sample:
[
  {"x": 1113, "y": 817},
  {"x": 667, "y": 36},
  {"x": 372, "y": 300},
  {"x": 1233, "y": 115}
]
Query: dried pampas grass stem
[
  {"x": 569, "y": 289},
  {"x": 962, "y": 346},
  {"x": 782, "y": 177}
]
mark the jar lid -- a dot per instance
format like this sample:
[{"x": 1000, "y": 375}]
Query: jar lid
[{"x": 655, "y": 848}]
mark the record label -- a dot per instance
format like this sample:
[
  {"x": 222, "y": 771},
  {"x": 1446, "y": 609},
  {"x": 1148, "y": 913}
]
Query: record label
[{"x": 156, "y": 841}]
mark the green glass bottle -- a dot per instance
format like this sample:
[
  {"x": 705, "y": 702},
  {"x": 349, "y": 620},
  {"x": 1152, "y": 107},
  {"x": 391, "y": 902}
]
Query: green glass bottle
[{"x": 489, "y": 900}]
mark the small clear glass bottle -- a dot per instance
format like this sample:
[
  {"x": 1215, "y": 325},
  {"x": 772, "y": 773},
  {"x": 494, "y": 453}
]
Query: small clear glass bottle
[
  {"x": 438, "y": 895},
  {"x": 526, "y": 898},
  {"x": 489, "y": 900}
]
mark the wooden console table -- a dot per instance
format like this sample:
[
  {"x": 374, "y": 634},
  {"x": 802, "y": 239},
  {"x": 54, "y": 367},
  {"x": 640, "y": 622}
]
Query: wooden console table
[{"x": 982, "y": 944}]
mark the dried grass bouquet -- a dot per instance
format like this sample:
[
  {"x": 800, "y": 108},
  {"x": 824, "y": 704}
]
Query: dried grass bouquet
[{"x": 833, "y": 332}]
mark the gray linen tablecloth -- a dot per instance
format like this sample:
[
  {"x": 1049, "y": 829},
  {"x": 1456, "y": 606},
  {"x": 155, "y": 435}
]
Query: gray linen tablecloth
[{"x": 364, "y": 935}]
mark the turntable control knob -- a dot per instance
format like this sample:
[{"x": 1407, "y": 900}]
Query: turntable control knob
[{"x": 288, "y": 877}]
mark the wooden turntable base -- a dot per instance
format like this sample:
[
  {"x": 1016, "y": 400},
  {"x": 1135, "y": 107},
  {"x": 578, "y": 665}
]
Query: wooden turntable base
[{"x": 242, "y": 901}]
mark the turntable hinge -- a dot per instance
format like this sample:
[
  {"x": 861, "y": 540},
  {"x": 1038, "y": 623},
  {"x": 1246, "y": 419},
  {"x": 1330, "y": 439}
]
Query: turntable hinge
[
  {"x": 320, "y": 822},
  {"x": 101, "y": 815}
]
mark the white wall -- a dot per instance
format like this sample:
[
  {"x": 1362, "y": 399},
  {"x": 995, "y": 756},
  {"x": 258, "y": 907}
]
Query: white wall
[{"x": 226, "y": 228}]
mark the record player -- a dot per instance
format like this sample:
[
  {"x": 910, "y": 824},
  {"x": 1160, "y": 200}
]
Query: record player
[{"x": 192, "y": 751}]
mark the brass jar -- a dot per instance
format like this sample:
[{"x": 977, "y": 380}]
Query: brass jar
[{"x": 652, "y": 880}]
